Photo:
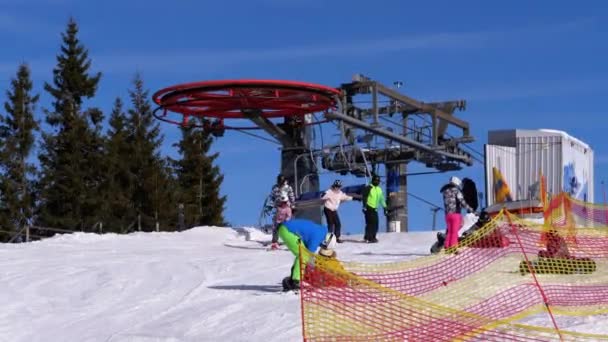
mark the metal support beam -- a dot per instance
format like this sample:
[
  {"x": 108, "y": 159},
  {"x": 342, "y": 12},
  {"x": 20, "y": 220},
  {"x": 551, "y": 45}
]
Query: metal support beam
[
  {"x": 427, "y": 108},
  {"x": 399, "y": 138},
  {"x": 399, "y": 107},
  {"x": 396, "y": 192},
  {"x": 268, "y": 126}
]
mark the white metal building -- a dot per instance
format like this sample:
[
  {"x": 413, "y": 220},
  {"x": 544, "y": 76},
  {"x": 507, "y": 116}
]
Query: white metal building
[{"x": 521, "y": 155}]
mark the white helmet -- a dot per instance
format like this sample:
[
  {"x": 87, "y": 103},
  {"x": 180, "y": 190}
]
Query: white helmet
[
  {"x": 326, "y": 252},
  {"x": 455, "y": 180},
  {"x": 284, "y": 198}
]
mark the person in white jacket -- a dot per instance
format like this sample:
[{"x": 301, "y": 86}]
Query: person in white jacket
[{"x": 332, "y": 198}]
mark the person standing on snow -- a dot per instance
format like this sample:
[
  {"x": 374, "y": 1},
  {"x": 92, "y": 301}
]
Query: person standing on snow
[
  {"x": 296, "y": 232},
  {"x": 283, "y": 214},
  {"x": 453, "y": 202},
  {"x": 332, "y": 198},
  {"x": 280, "y": 190},
  {"x": 372, "y": 197}
]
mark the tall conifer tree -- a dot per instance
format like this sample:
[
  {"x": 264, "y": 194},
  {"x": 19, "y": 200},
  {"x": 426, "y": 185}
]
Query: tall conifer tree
[
  {"x": 17, "y": 128},
  {"x": 151, "y": 190},
  {"x": 72, "y": 154},
  {"x": 199, "y": 180},
  {"x": 119, "y": 208}
]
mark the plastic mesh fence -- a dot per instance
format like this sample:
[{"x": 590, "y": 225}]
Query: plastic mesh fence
[
  {"x": 565, "y": 211},
  {"x": 501, "y": 274}
]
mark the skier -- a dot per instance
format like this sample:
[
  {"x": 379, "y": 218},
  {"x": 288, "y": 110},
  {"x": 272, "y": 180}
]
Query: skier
[
  {"x": 280, "y": 190},
  {"x": 312, "y": 236},
  {"x": 283, "y": 214},
  {"x": 332, "y": 197},
  {"x": 372, "y": 197},
  {"x": 453, "y": 202}
]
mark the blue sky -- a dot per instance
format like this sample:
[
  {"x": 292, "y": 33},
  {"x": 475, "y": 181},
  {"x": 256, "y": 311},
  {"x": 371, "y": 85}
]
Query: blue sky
[{"x": 519, "y": 64}]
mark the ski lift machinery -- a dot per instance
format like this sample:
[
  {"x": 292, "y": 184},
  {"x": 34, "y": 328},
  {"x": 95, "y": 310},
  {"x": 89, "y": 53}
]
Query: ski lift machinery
[{"x": 419, "y": 133}]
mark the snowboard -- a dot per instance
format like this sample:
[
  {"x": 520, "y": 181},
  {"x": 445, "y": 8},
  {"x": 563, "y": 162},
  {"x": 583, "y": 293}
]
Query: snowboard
[
  {"x": 558, "y": 266},
  {"x": 469, "y": 192}
]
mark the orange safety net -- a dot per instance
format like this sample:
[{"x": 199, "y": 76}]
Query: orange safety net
[{"x": 486, "y": 289}]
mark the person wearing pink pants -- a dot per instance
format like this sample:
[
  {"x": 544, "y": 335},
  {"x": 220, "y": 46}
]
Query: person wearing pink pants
[
  {"x": 453, "y": 203},
  {"x": 453, "y": 222}
]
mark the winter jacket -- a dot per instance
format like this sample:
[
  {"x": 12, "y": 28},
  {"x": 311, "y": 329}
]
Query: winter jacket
[
  {"x": 453, "y": 201},
  {"x": 278, "y": 190},
  {"x": 333, "y": 197},
  {"x": 283, "y": 213},
  {"x": 311, "y": 234},
  {"x": 373, "y": 196},
  {"x": 556, "y": 247}
]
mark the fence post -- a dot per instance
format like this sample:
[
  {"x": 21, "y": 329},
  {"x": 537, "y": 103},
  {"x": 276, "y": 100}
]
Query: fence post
[
  {"x": 27, "y": 233},
  {"x": 157, "y": 229},
  {"x": 100, "y": 227},
  {"x": 139, "y": 222}
]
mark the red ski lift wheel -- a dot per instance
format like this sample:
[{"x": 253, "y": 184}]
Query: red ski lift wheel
[{"x": 232, "y": 99}]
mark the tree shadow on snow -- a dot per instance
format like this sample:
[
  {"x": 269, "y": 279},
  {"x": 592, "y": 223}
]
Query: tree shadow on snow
[
  {"x": 353, "y": 240},
  {"x": 394, "y": 254},
  {"x": 256, "y": 288},
  {"x": 264, "y": 245},
  {"x": 244, "y": 247}
]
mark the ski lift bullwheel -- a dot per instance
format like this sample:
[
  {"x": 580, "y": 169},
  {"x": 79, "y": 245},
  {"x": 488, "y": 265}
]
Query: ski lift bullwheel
[{"x": 233, "y": 99}]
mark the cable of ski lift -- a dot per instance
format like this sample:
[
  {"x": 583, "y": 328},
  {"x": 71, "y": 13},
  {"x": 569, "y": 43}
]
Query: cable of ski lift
[
  {"x": 433, "y": 205},
  {"x": 257, "y": 136}
]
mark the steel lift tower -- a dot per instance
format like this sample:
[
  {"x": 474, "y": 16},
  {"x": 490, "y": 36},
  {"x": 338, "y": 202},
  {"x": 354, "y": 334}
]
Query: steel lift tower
[{"x": 412, "y": 131}]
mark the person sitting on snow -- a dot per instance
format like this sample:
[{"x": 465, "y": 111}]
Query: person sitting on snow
[
  {"x": 283, "y": 214},
  {"x": 557, "y": 247},
  {"x": 312, "y": 236},
  {"x": 332, "y": 198},
  {"x": 279, "y": 191}
]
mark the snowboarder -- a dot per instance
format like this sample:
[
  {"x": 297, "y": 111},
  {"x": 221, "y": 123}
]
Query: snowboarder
[
  {"x": 556, "y": 259},
  {"x": 312, "y": 236},
  {"x": 453, "y": 202},
  {"x": 372, "y": 197},
  {"x": 280, "y": 190},
  {"x": 332, "y": 198}
]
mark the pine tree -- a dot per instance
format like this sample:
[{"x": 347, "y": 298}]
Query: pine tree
[
  {"x": 17, "y": 135},
  {"x": 198, "y": 179},
  {"x": 119, "y": 208},
  {"x": 150, "y": 192},
  {"x": 72, "y": 155}
]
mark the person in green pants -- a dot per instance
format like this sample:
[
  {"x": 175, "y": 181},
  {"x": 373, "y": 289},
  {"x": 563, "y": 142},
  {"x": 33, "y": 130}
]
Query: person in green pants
[{"x": 312, "y": 236}]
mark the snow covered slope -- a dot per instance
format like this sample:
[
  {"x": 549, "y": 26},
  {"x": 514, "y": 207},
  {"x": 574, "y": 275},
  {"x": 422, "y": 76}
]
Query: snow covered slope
[{"x": 205, "y": 284}]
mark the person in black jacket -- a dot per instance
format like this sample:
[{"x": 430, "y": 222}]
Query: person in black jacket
[{"x": 372, "y": 197}]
